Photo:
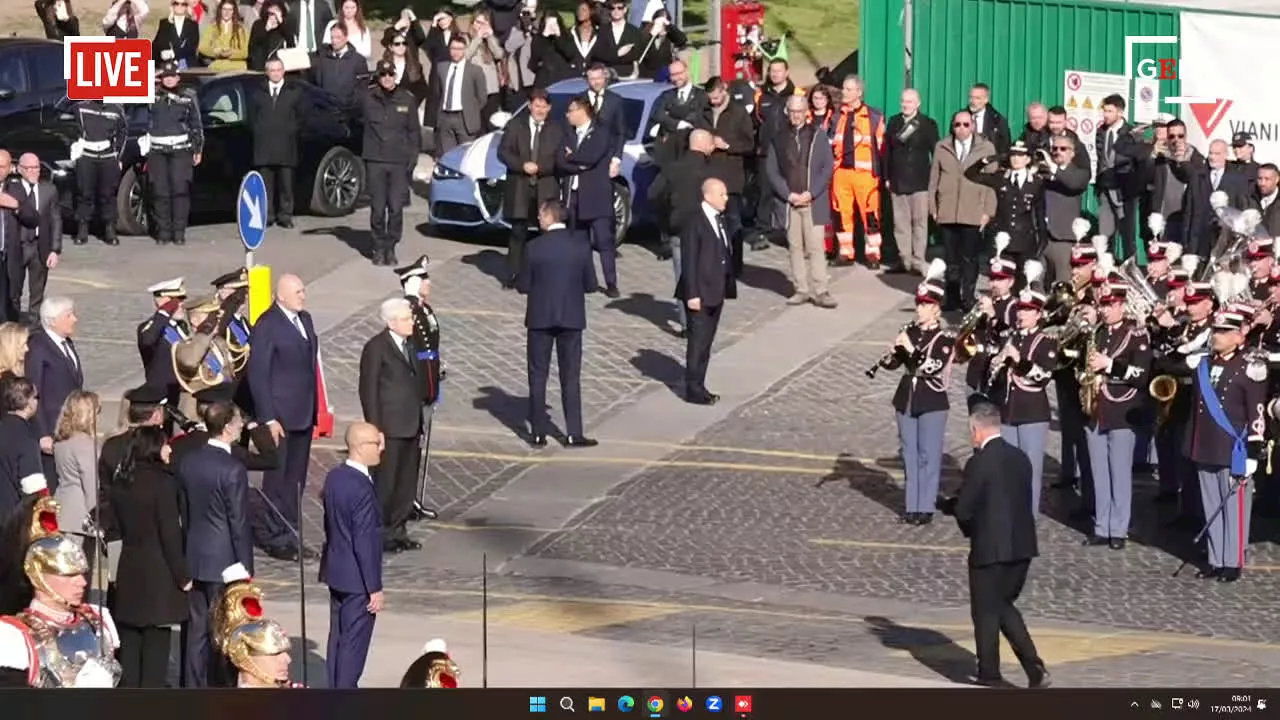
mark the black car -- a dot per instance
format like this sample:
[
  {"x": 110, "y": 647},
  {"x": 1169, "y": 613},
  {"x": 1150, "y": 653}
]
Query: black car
[
  {"x": 30, "y": 77},
  {"x": 329, "y": 158}
]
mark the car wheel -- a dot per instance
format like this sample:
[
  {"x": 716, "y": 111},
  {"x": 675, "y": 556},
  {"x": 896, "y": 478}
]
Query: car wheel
[
  {"x": 621, "y": 213},
  {"x": 338, "y": 184},
  {"x": 131, "y": 204}
]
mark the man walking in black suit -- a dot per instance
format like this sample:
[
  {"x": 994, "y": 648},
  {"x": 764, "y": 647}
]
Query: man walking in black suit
[
  {"x": 584, "y": 166},
  {"x": 528, "y": 149},
  {"x": 391, "y": 399},
  {"x": 40, "y": 237},
  {"x": 53, "y": 366},
  {"x": 706, "y": 281},
  {"x": 11, "y": 207},
  {"x": 276, "y": 112},
  {"x": 558, "y": 275},
  {"x": 993, "y": 510},
  {"x": 282, "y": 380},
  {"x": 214, "y": 498}
]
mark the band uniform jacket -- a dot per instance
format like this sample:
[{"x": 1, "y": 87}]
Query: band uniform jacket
[
  {"x": 389, "y": 386},
  {"x": 1122, "y": 394},
  {"x": 156, "y": 337},
  {"x": 991, "y": 335},
  {"x": 1017, "y": 205},
  {"x": 923, "y": 387},
  {"x": 276, "y": 123},
  {"x": 1243, "y": 402},
  {"x": 993, "y": 506},
  {"x": 908, "y": 154},
  {"x": 1177, "y": 350},
  {"x": 1020, "y": 388},
  {"x": 523, "y": 194},
  {"x": 425, "y": 341}
]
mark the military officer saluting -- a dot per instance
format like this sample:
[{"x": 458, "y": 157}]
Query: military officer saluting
[
  {"x": 1261, "y": 256},
  {"x": 425, "y": 343},
  {"x": 1226, "y": 440},
  {"x": 924, "y": 351},
  {"x": 1018, "y": 190},
  {"x": 157, "y": 334},
  {"x": 1115, "y": 385},
  {"x": 173, "y": 145},
  {"x": 998, "y": 316},
  {"x": 100, "y": 148},
  {"x": 225, "y": 286},
  {"x": 1021, "y": 372}
]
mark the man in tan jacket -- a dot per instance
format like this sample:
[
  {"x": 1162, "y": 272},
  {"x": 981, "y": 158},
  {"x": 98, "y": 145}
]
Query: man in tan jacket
[{"x": 960, "y": 207}]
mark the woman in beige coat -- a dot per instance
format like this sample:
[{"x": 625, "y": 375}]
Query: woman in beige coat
[{"x": 960, "y": 207}]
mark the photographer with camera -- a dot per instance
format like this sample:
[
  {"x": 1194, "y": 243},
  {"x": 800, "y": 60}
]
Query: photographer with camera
[{"x": 1018, "y": 185}]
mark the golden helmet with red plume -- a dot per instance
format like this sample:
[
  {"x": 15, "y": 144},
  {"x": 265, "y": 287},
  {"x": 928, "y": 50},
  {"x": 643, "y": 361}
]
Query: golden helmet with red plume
[
  {"x": 49, "y": 552},
  {"x": 241, "y": 628}
]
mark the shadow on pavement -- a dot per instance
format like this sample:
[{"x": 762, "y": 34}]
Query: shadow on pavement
[
  {"x": 928, "y": 647},
  {"x": 766, "y": 278},
  {"x": 661, "y": 368},
  {"x": 506, "y": 408},
  {"x": 662, "y": 313},
  {"x": 489, "y": 262},
  {"x": 359, "y": 240},
  {"x": 309, "y": 654}
]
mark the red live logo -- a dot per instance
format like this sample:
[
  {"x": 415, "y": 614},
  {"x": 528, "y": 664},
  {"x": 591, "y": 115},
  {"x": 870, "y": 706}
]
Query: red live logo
[{"x": 109, "y": 69}]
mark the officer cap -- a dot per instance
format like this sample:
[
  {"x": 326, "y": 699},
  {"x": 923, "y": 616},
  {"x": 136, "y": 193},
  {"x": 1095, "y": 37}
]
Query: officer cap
[
  {"x": 1163, "y": 119},
  {"x": 224, "y": 392},
  {"x": 1241, "y": 139},
  {"x": 168, "y": 68},
  {"x": 204, "y": 304},
  {"x": 169, "y": 289},
  {"x": 146, "y": 395},
  {"x": 384, "y": 67},
  {"x": 234, "y": 280},
  {"x": 417, "y": 269},
  {"x": 1019, "y": 148}
]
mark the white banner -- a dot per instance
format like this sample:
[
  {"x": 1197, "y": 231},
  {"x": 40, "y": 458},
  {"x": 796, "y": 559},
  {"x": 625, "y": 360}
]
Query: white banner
[
  {"x": 1082, "y": 94},
  {"x": 1224, "y": 57}
]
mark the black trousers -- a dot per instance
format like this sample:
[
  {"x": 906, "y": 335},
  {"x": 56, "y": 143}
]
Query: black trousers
[
  {"x": 279, "y": 182},
  {"x": 992, "y": 591},
  {"x": 27, "y": 262},
  {"x": 520, "y": 235},
  {"x": 567, "y": 343},
  {"x": 961, "y": 245},
  {"x": 697, "y": 354},
  {"x": 170, "y": 174},
  {"x": 396, "y": 481},
  {"x": 144, "y": 656},
  {"x": 388, "y": 187},
  {"x": 200, "y": 660},
  {"x": 97, "y": 180}
]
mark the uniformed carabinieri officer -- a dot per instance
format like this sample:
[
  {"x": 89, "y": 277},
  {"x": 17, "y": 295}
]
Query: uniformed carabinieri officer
[
  {"x": 1120, "y": 365},
  {"x": 175, "y": 140},
  {"x": 157, "y": 334},
  {"x": 391, "y": 140},
  {"x": 425, "y": 343},
  {"x": 1226, "y": 440},
  {"x": 998, "y": 319},
  {"x": 1018, "y": 190},
  {"x": 1021, "y": 373},
  {"x": 923, "y": 350},
  {"x": 103, "y": 131}
]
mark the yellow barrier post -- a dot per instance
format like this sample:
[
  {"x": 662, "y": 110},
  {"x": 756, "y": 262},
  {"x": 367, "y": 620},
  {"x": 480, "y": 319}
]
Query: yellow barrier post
[{"x": 259, "y": 291}]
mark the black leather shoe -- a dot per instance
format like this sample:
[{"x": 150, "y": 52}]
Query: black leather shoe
[
  {"x": 924, "y": 519},
  {"x": 286, "y": 223},
  {"x": 1117, "y": 543},
  {"x": 1095, "y": 541},
  {"x": 285, "y": 554},
  {"x": 111, "y": 239},
  {"x": 580, "y": 441},
  {"x": 909, "y": 518},
  {"x": 1038, "y": 678},
  {"x": 179, "y": 239},
  {"x": 991, "y": 682},
  {"x": 410, "y": 545},
  {"x": 1229, "y": 575},
  {"x": 701, "y": 398},
  {"x": 391, "y": 547},
  {"x": 309, "y": 554},
  {"x": 509, "y": 284},
  {"x": 81, "y": 239},
  {"x": 1208, "y": 573},
  {"x": 376, "y": 259},
  {"x": 663, "y": 253},
  {"x": 389, "y": 258},
  {"x": 537, "y": 441},
  {"x": 612, "y": 293}
]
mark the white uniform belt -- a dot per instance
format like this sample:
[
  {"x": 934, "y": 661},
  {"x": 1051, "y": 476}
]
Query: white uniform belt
[
  {"x": 170, "y": 139},
  {"x": 96, "y": 145}
]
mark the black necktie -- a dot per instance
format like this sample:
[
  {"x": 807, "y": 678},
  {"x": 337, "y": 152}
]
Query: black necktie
[
  {"x": 724, "y": 235},
  {"x": 408, "y": 354},
  {"x": 448, "y": 89},
  {"x": 533, "y": 143}
]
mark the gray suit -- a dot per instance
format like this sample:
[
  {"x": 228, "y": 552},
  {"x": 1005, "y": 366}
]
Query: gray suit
[
  {"x": 1062, "y": 195},
  {"x": 455, "y": 126}
]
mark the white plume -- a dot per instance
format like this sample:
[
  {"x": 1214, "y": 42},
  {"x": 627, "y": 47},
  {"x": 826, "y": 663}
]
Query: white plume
[
  {"x": 1172, "y": 251},
  {"x": 1227, "y": 285},
  {"x": 1218, "y": 200},
  {"x": 33, "y": 484},
  {"x": 1033, "y": 270},
  {"x": 234, "y": 573},
  {"x": 936, "y": 269},
  {"x": 1190, "y": 263},
  {"x": 1100, "y": 244},
  {"x": 1080, "y": 228},
  {"x": 1155, "y": 221},
  {"x": 435, "y": 645},
  {"x": 1246, "y": 222},
  {"x": 1106, "y": 264},
  {"x": 1002, "y": 242}
]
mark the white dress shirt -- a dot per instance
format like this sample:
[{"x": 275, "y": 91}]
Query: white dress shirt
[
  {"x": 399, "y": 64},
  {"x": 220, "y": 445},
  {"x": 364, "y": 469},
  {"x": 274, "y": 88},
  {"x": 1215, "y": 176},
  {"x": 63, "y": 345},
  {"x": 296, "y": 321},
  {"x": 714, "y": 216},
  {"x": 453, "y": 103},
  {"x": 962, "y": 148},
  {"x": 979, "y": 121},
  {"x": 1268, "y": 199}
]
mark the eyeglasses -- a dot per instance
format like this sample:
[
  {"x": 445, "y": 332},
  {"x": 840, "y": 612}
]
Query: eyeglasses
[
  {"x": 180, "y": 4},
  {"x": 960, "y": 124},
  {"x": 1176, "y": 137},
  {"x": 398, "y": 43},
  {"x": 1059, "y": 148}
]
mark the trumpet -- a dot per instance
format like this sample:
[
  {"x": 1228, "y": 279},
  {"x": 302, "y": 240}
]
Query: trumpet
[
  {"x": 965, "y": 345},
  {"x": 886, "y": 360}
]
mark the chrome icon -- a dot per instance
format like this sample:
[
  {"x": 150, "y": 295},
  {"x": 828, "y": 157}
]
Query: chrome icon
[
  {"x": 684, "y": 704},
  {"x": 626, "y": 703},
  {"x": 655, "y": 704}
]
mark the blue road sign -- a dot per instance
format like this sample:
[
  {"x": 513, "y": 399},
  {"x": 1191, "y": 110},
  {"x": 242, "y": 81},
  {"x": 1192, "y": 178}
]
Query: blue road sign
[{"x": 251, "y": 211}]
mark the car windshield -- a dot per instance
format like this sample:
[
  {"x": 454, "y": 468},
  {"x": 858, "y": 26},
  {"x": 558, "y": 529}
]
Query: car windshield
[{"x": 632, "y": 111}]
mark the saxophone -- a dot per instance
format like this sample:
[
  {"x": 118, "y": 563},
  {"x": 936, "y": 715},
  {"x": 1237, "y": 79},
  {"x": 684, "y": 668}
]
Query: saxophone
[{"x": 1090, "y": 380}]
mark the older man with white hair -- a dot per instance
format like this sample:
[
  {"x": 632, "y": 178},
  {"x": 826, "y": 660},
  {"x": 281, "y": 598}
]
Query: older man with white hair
[
  {"x": 908, "y": 157},
  {"x": 391, "y": 399},
  {"x": 53, "y": 366}
]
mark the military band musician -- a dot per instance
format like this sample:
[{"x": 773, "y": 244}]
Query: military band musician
[
  {"x": 996, "y": 319},
  {"x": 1260, "y": 253},
  {"x": 1076, "y": 471}
]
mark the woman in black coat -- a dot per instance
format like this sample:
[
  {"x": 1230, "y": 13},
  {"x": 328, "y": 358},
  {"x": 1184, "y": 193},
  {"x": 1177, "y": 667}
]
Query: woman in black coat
[
  {"x": 58, "y": 18},
  {"x": 269, "y": 34},
  {"x": 547, "y": 57},
  {"x": 177, "y": 37},
  {"x": 436, "y": 44},
  {"x": 581, "y": 47},
  {"x": 662, "y": 40},
  {"x": 402, "y": 42},
  {"x": 152, "y": 580}
]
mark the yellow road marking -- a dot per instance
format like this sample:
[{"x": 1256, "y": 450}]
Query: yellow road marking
[
  {"x": 570, "y": 616},
  {"x": 95, "y": 284},
  {"x": 870, "y": 545},
  {"x": 498, "y": 528}
]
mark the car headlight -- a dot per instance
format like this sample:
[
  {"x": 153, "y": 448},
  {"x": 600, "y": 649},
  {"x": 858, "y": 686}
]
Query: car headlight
[
  {"x": 443, "y": 172},
  {"x": 62, "y": 168}
]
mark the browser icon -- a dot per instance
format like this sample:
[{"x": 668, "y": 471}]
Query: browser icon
[{"x": 595, "y": 704}]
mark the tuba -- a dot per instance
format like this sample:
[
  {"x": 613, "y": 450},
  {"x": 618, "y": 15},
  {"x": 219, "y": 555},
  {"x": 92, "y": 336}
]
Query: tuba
[
  {"x": 1163, "y": 388},
  {"x": 1143, "y": 298},
  {"x": 205, "y": 359}
]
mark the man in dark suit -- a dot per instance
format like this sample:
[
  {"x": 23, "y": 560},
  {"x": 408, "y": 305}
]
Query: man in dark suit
[
  {"x": 275, "y": 110},
  {"x": 734, "y": 137},
  {"x": 1264, "y": 197},
  {"x": 11, "y": 207},
  {"x": 458, "y": 95},
  {"x": 987, "y": 121},
  {"x": 993, "y": 510},
  {"x": 678, "y": 111},
  {"x": 308, "y": 19},
  {"x": 1118, "y": 179},
  {"x": 391, "y": 399},
  {"x": 1063, "y": 192},
  {"x": 196, "y": 435},
  {"x": 1205, "y": 175},
  {"x": 676, "y": 193},
  {"x": 620, "y": 42},
  {"x": 706, "y": 281},
  {"x": 606, "y": 114},
  {"x": 351, "y": 564},
  {"x": 911, "y": 137},
  {"x": 528, "y": 150},
  {"x": 583, "y": 165},
  {"x": 282, "y": 380},
  {"x": 53, "y": 366},
  {"x": 558, "y": 275},
  {"x": 40, "y": 235},
  {"x": 214, "y": 498}
]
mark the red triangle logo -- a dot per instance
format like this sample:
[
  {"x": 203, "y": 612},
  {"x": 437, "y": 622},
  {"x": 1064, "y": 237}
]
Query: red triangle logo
[{"x": 1209, "y": 115}]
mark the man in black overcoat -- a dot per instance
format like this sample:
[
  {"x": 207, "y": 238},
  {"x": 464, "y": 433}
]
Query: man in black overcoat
[
  {"x": 276, "y": 114},
  {"x": 528, "y": 150}
]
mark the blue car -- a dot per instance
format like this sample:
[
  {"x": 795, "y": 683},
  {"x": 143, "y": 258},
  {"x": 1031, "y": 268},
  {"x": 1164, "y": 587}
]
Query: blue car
[{"x": 467, "y": 184}]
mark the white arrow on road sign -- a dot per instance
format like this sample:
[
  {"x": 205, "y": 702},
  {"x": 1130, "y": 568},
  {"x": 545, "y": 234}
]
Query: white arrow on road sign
[{"x": 255, "y": 211}]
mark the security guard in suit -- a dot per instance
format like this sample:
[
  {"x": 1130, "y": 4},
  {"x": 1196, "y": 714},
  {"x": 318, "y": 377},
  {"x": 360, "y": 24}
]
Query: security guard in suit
[
  {"x": 425, "y": 342},
  {"x": 157, "y": 334},
  {"x": 103, "y": 131},
  {"x": 999, "y": 317},
  {"x": 1118, "y": 370},
  {"x": 173, "y": 145},
  {"x": 1226, "y": 441}
]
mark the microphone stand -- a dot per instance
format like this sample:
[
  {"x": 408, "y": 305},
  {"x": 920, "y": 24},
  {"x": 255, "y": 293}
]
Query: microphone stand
[
  {"x": 302, "y": 570},
  {"x": 1237, "y": 484}
]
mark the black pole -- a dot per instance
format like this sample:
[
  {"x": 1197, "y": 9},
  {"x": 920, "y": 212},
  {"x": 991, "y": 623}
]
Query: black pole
[
  {"x": 484, "y": 620},
  {"x": 302, "y": 588},
  {"x": 694, "y": 661}
]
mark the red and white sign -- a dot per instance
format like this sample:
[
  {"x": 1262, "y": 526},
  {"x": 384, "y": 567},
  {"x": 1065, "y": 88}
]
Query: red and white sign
[
  {"x": 1074, "y": 81},
  {"x": 110, "y": 69},
  {"x": 1221, "y": 79}
]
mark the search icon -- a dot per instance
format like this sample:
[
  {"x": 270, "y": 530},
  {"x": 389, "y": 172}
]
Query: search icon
[{"x": 566, "y": 703}]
